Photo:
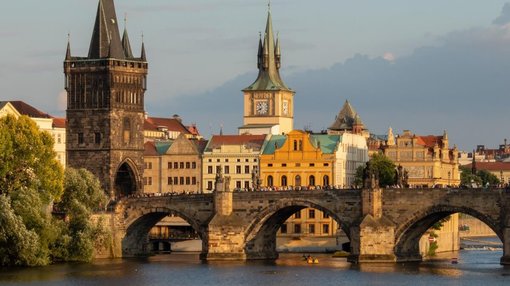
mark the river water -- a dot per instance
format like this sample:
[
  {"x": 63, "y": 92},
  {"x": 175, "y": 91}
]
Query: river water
[{"x": 475, "y": 267}]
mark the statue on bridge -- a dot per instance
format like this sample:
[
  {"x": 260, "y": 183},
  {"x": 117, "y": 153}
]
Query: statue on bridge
[
  {"x": 221, "y": 183},
  {"x": 402, "y": 177},
  {"x": 370, "y": 176},
  {"x": 255, "y": 178}
]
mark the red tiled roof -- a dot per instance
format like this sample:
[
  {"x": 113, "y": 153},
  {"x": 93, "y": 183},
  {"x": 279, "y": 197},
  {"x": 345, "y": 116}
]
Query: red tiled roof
[
  {"x": 150, "y": 149},
  {"x": 172, "y": 124},
  {"x": 59, "y": 122},
  {"x": 491, "y": 166},
  {"x": 429, "y": 141},
  {"x": 193, "y": 130},
  {"x": 201, "y": 144},
  {"x": 28, "y": 110},
  {"x": 254, "y": 141}
]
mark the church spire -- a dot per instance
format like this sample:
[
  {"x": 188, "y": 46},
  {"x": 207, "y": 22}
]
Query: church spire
[
  {"x": 268, "y": 61},
  {"x": 125, "y": 41},
  {"x": 143, "y": 54},
  {"x": 106, "y": 40}
]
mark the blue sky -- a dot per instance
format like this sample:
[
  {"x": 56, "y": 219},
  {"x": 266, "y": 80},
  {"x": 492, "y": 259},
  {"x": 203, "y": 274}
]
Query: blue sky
[{"x": 205, "y": 50}]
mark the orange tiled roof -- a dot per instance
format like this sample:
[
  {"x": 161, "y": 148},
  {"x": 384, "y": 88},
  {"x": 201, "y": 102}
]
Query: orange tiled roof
[
  {"x": 491, "y": 166},
  {"x": 172, "y": 124},
  {"x": 59, "y": 122},
  {"x": 429, "y": 141},
  {"x": 150, "y": 149}
]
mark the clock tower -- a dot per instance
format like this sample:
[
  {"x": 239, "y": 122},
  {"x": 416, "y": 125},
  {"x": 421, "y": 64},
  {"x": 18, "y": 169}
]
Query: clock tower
[{"x": 268, "y": 102}]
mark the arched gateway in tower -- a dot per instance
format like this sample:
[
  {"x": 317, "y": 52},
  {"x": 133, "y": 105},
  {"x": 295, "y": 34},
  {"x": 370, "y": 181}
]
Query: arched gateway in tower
[{"x": 105, "y": 107}]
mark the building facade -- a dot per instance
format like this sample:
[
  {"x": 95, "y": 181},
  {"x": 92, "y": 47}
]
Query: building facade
[
  {"x": 351, "y": 153},
  {"x": 105, "y": 107},
  {"x": 428, "y": 160},
  {"x": 268, "y": 102},
  {"x": 237, "y": 156}
]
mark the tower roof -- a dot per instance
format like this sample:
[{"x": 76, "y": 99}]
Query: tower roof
[
  {"x": 126, "y": 46},
  {"x": 268, "y": 62},
  {"x": 106, "y": 40},
  {"x": 346, "y": 118}
]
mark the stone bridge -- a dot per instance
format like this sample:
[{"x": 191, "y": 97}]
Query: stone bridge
[{"x": 383, "y": 225}]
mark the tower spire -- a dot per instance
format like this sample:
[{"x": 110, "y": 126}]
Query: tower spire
[
  {"x": 143, "y": 54},
  {"x": 106, "y": 40},
  {"x": 125, "y": 41}
]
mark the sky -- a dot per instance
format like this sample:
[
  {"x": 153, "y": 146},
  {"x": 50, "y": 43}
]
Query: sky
[{"x": 426, "y": 66}]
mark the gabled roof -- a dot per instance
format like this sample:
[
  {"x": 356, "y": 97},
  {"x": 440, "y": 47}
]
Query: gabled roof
[
  {"x": 106, "y": 42},
  {"x": 28, "y": 110},
  {"x": 274, "y": 143},
  {"x": 150, "y": 149},
  {"x": 172, "y": 124},
  {"x": 251, "y": 141},
  {"x": 429, "y": 141}
]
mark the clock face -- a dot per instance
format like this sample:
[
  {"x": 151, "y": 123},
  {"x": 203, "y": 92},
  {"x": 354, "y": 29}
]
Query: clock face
[
  {"x": 285, "y": 107},
  {"x": 261, "y": 107}
]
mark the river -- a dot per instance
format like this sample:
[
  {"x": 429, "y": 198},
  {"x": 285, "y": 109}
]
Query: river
[{"x": 475, "y": 267}]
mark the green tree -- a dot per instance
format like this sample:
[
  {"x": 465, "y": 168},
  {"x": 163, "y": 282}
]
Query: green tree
[
  {"x": 487, "y": 178},
  {"x": 467, "y": 178},
  {"x": 384, "y": 167},
  {"x": 82, "y": 196}
]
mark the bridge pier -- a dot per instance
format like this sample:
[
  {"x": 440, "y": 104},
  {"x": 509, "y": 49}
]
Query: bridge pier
[
  {"x": 505, "y": 260},
  {"x": 373, "y": 240}
]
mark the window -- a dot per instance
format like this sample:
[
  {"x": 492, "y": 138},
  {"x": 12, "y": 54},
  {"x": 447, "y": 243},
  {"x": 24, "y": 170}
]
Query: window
[
  {"x": 188, "y": 165},
  {"x": 325, "y": 228},
  {"x": 246, "y": 169},
  {"x": 312, "y": 164},
  {"x": 283, "y": 228},
  {"x": 181, "y": 181},
  {"x": 175, "y": 181},
  {"x": 238, "y": 160},
  {"x": 209, "y": 169},
  {"x": 300, "y": 145},
  {"x": 81, "y": 139},
  {"x": 298, "y": 164},
  {"x": 193, "y": 165},
  {"x": 284, "y": 181},
  {"x": 209, "y": 185},
  {"x": 326, "y": 164},
  {"x": 297, "y": 228},
  {"x": 325, "y": 181},
  {"x": 181, "y": 165},
  {"x": 169, "y": 165},
  {"x": 312, "y": 180},
  {"x": 176, "y": 165},
  {"x": 188, "y": 180},
  {"x": 297, "y": 214},
  {"x": 284, "y": 165},
  {"x": 298, "y": 181},
  {"x": 97, "y": 138},
  {"x": 194, "y": 180},
  {"x": 127, "y": 131},
  {"x": 246, "y": 184},
  {"x": 295, "y": 145},
  {"x": 238, "y": 169},
  {"x": 270, "y": 165},
  {"x": 311, "y": 213},
  {"x": 325, "y": 215},
  {"x": 148, "y": 165},
  {"x": 227, "y": 169},
  {"x": 238, "y": 184},
  {"x": 169, "y": 180},
  {"x": 148, "y": 181},
  {"x": 311, "y": 228},
  {"x": 270, "y": 181}
]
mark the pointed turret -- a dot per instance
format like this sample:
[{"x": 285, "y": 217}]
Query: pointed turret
[
  {"x": 345, "y": 118},
  {"x": 278, "y": 53},
  {"x": 68, "y": 51},
  {"x": 143, "y": 55},
  {"x": 269, "y": 63},
  {"x": 446, "y": 144},
  {"x": 260, "y": 53},
  {"x": 106, "y": 40},
  {"x": 126, "y": 46}
]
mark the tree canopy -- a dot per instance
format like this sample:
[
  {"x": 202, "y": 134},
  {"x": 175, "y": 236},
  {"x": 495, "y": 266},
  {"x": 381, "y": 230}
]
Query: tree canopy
[{"x": 384, "y": 167}]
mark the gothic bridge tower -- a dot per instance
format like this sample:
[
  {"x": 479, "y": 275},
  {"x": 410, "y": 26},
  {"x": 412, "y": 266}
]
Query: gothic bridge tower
[
  {"x": 268, "y": 102},
  {"x": 105, "y": 107}
]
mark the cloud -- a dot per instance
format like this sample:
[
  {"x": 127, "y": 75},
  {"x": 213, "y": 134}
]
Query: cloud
[
  {"x": 390, "y": 57},
  {"x": 504, "y": 17}
]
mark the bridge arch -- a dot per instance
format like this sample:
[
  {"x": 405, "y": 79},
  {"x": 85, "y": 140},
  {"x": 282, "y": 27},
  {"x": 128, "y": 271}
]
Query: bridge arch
[
  {"x": 408, "y": 234},
  {"x": 260, "y": 235},
  {"x": 138, "y": 226}
]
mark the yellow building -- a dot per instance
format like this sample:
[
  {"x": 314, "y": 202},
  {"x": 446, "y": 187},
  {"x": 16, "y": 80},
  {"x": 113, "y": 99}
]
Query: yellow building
[
  {"x": 236, "y": 155},
  {"x": 300, "y": 160},
  {"x": 268, "y": 102},
  {"x": 428, "y": 160}
]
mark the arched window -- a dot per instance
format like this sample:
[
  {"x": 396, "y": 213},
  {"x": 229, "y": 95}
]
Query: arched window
[
  {"x": 298, "y": 181},
  {"x": 284, "y": 181},
  {"x": 270, "y": 181},
  {"x": 311, "y": 180},
  {"x": 295, "y": 145},
  {"x": 325, "y": 181}
]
